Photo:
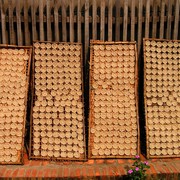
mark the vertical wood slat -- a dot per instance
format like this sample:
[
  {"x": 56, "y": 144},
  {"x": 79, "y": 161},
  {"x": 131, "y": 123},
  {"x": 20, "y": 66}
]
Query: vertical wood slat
[
  {"x": 56, "y": 20},
  {"x": 147, "y": 18},
  {"x": 161, "y": 33},
  {"x": 86, "y": 37},
  {"x": 102, "y": 22},
  {"x": 110, "y": 6},
  {"x": 11, "y": 23},
  {"x": 3, "y": 23},
  {"x": 33, "y": 18},
  {"x": 132, "y": 20},
  {"x": 154, "y": 28},
  {"x": 64, "y": 33},
  {"x": 19, "y": 30},
  {"x": 117, "y": 31},
  {"x": 139, "y": 25},
  {"x": 176, "y": 20},
  {"x": 41, "y": 20},
  {"x": 26, "y": 24},
  {"x": 94, "y": 19},
  {"x": 48, "y": 15},
  {"x": 125, "y": 20},
  {"x": 168, "y": 32},
  {"x": 71, "y": 20},
  {"x": 79, "y": 21}
]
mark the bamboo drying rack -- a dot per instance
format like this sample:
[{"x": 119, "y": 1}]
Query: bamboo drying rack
[
  {"x": 28, "y": 50},
  {"x": 91, "y": 96},
  {"x": 33, "y": 96},
  {"x": 145, "y": 98}
]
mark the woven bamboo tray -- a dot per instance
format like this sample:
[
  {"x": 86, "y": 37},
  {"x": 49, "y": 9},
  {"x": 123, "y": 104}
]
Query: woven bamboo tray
[
  {"x": 14, "y": 81},
  {"x": 57, "y": 117},
  {"x": 113, "y": 116},
  {"x": 162, "y": 97}
]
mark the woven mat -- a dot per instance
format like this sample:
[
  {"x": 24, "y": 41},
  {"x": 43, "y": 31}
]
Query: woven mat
[
  {"x": 113, "y": 122},
  {"x": 14, "y": 72},
  {"x": 162, "y": 97},
  {"x": 57, "y": 131}
]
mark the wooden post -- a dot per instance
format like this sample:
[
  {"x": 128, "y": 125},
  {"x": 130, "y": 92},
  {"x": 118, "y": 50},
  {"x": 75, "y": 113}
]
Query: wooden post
[
  {"x": 110, "y": 18},
  {"x": 48, "y": 16},
  {"x": 86, "y": 23},
  {"x": 147, "y": 18},
  {"x": 33, "y": 16},
  {"x": 176, "y": 20},
  {"x": 139, "y": 26},
  {"x": 71, "y": 20},
  {"x": 117, "y": 31},
  {"x": 132, "y": 20},
  {"x": 41, "y": 20},
  {"x": 56, "y": 20},
  {"x": 169, "y": 15},
  {"x": 64, "y": 33},
  {"x": 102, "y": 21},
  {"x": 94, "y": 19},
  {"x": 26, "y": 24},
  {"x": 79, "y": 20},
  {"x": 3, "y": 22},
  {"x": 161, "y": 33},
  {"x": 125, "y": 20},
  {"x": 19, "y": 30},
  {"x": 154, "y": 28},
  {"x": 11, "y": 23}
]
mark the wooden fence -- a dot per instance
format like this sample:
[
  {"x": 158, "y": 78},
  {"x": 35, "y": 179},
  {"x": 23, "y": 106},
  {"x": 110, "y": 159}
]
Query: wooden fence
[{"x": 22, "y": 21}]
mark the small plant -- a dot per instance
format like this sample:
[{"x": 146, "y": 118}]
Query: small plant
[{"x": 138, "y": 169}]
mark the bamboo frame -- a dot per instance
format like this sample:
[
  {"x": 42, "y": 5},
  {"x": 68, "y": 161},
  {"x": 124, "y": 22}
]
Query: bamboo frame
[
  {"x": 91, "y": 94},
  {"x": 33, "y": 95},
  {"x": 145, "y": 100},
  {"x": 28, "y": 66}
]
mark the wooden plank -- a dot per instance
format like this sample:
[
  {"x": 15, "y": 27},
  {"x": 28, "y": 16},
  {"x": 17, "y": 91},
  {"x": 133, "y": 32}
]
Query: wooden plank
[
  {"x": 147, "y": 21},
  {"x": 176, "y": 20},
  {"x": 110, "y": 17},
  {"x": 79, "y": 21},
  {"x": 26, "y": 24},
  {"x": 102, "y": 21},
  {"x": 11, "y": 23},
  {"x": 140, "y": 4},
  {"x": 64, "y": 29},
  {"x": 19, "y": 30},
  {"x": 154, "y": 26},
  {"x": 94, "y": 19},
  {"x": 169, "y": 15},
  {"x": 41, "y": 20},
  {"x": 161, "y": 33},
  {"x": 56, "y": 20},
  {"x": 117, "y": 28},
  {"x": 86, "y": 34},
  {"x": 3, "y": 22},
  {"x": 125, "y": 20},
  {"x": 132, "y": 20},
  {"x": 48, "y": 16},
  {"x": 33, "y": 19},
  {"x": 71, "y": 20}
]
